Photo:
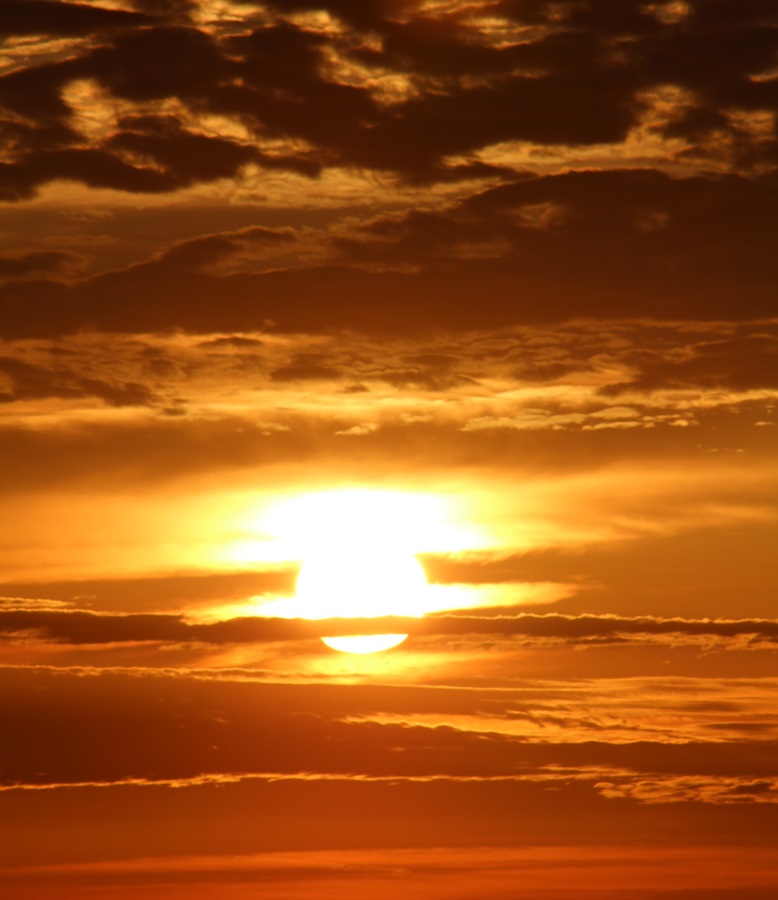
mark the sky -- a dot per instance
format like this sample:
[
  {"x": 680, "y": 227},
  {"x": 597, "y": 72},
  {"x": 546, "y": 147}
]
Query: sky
[{"x": 465, "y": 309}]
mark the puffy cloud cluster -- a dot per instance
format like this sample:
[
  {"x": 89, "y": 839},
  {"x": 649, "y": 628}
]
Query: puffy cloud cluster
[
  {"x": 666, "y": 214},
  {"x": 465, "y": 78}
]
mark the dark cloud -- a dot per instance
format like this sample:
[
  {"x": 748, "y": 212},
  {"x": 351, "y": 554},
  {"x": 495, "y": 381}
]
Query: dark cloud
[
  {"x": 212, "y": 249},
  {"x": 432, "y": 128},
  {"x": 155, "y": 63},
  {"x": 165, "y": 144},
  {"x": 585, "y": 93},
  {"x": 146, "y": 153},
  {"x": 34, "y": 95},
  {"x": 568, "y": 84},
  {"x": 585, "y": 87},
  {"x": 741, "y": 364},
  {"x": 34, "y": 382},
  {"x": 52, "y": 17},
  {"x": 677, "y": 248},
  {"x": 159, "y": 727},
  {"x": 304, "y": 371},
  {"x": 235, "y": 341},
  {"x": 161, "y": 163},
  {"x": 181, "y": 8},
  {"x": 94, "y": 167},
  {"x": 419, "y": 379},
  {"x": 40, "y": 263},
  {"x": 79, "y": 627},
  {"x": 21, "y": 138},
  {"x": 374, "y": 15}
]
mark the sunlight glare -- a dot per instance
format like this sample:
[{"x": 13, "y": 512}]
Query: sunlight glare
[
  {"x": 358, "y": 560},
  {"x": 417, "y": 522}
]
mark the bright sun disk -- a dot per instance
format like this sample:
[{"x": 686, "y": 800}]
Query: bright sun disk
[
  {"x": 356, "y": 581},
  {"x": 359, "y": 562}
]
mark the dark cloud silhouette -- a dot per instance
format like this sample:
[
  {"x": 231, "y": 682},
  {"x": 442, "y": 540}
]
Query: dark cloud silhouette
[
  {"x": 79, "y": 627},
  {"x": 304, "y": 371},
  {"x": 161, "y": 726},
  {"x": 34, "y": 382},
  {"x": 34, "y": 95},
  {"x": 180, "y": 8},
  {"x": 151, "y": 64},
  {"x": 51, "y": 17},
  {"x": 94, "y": 167},
  {"x": 237, "y": 342},
  {"x": 40, "y": 263},
  {"x": 191, "y": 158},
  {"x": 375, "y": 15},
  {"x": 594, "y": 89},
  {"x": 554, "y": 88},
  {"x": 743, "y": 363},
  {"x": 213, "y": 249},
  {"x": 677, "y": 247}
]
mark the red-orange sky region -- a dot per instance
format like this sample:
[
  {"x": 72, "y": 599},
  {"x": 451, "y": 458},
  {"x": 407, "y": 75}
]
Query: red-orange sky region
[{"x": 466, "y": 311}]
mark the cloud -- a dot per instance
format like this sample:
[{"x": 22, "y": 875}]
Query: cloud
[
  {"x": 532, "y": 379},
  {"x": 594, "y": 872},
  {"x": 213, "y": 250},
  {"x": 452, "y": 88},
  {"x": 162, "y": 726},
  {"x": 33, "y": 382},
  {"x": 351, "y": 839},
  {"x": 40, "y": 263},
  {"x": 150, "y": 448},
  {"x": 712, "y": 248},
  {"x": 177, "y": 591},
  {"x": 691, "y": 789},
  {"x": 535, "y": 419},
  {"x": 737, "y": 363},
  {"x": 13, "y": 604},
  {"x": 305, "y": 367},
  {"x": 681, "y": 586},
  {"x": 49, "y": 17},
  {"x": 358, "y": 430},
  {"x": 87, "y": 628}
]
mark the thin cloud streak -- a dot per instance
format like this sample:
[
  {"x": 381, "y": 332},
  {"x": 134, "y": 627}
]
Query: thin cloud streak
[{"x": 80, "y": 627}]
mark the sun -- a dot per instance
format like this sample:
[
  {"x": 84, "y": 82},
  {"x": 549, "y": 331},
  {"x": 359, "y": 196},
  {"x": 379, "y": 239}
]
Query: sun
[
  {"x": 355, "y": 580},
  {"x": 358, "y": 561},
  {"x": 357, "y": 549}
]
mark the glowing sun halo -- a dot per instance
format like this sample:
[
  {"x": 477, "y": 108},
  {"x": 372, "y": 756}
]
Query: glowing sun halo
[
  {"x": 358, "y": 562},
  {"x": 360, "y": 581}
]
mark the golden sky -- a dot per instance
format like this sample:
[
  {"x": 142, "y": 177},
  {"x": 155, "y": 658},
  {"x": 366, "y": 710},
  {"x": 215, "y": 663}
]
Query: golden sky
[{"x": 469, "y": 312}]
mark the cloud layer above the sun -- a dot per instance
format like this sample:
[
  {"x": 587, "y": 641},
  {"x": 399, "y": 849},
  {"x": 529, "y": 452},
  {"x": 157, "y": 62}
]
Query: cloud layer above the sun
[{"x": 455, "y": 146}]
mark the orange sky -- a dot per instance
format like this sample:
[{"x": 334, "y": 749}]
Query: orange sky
[{"x": 491, "y": 284}]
